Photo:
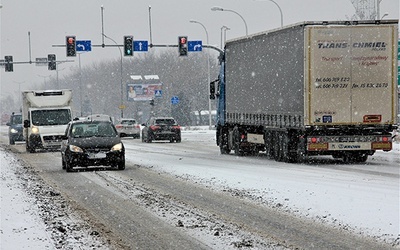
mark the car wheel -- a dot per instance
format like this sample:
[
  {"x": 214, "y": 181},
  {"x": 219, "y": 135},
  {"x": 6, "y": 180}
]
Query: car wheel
[
  {"x": 63, "y": 163},
  {"x": 68, "y": 167},
  {"x": 12, "y": 141},
  {"x": 121, "y": 165}
]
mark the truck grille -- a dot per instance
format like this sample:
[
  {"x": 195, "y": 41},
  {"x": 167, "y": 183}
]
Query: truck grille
[{"x": 52, "y": 138}]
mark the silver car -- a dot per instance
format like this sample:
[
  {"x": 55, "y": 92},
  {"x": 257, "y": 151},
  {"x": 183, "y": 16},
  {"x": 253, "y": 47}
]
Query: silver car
[{"x": 128, "y": 127}]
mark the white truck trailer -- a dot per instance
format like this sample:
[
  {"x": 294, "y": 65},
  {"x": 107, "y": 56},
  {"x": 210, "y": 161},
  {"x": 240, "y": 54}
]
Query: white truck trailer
[
  {"x": 314, "y": 88},
  {"x": 46, "y": 114}
]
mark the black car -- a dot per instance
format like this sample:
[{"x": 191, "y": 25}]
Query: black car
[
  {"x": 92, "y": 143},
  {"x": 15, "y": 128},
  {"x": 161, "y": 128}
]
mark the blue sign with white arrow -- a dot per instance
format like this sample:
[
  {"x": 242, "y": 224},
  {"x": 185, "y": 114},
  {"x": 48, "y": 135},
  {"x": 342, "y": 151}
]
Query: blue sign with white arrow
[
  {"x": 83, "y": 45},
  {"x": 140, "y": 46},
  {"x": 195, "y": 46}
]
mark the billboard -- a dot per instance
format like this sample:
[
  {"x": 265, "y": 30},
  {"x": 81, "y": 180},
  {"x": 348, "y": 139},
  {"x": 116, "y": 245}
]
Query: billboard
[{"x": 142, "y": 88}]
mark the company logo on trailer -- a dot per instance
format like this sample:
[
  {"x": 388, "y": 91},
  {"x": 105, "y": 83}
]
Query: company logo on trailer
[{"x": 343, "y": 45}]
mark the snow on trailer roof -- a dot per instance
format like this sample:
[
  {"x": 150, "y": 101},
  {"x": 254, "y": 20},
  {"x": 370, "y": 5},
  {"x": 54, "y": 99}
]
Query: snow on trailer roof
[{"x": 315, "y": 23}]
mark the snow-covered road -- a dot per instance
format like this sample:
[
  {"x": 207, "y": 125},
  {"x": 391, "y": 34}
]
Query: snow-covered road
[{"x": 362, "y": 198}]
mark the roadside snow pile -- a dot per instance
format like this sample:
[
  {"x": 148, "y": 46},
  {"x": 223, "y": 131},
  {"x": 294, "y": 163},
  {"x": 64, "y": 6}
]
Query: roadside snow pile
[{"x": 33, "y": 215}]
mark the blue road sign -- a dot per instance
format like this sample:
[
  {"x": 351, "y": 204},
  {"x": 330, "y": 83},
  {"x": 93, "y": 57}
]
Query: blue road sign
[
  {"x": 158, "y": 93},
  {"x": 83, "y": 45},
  {"x": 174, "y": 100},
  {"x": 140, "y": 46},
  {"x": 195, "y": 46}
]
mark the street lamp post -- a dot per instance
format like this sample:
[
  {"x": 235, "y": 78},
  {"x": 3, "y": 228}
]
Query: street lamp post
[
  {"x": 208, "y": 73},
  {"x": 277, "y": 5},
  {"x": 217, "y": 8},
  {"x": 120, "y": 52},
  {"x": 19, "y": 91},
  {"x": 122, "y": 95},
  {"x": 223, "y": 31}
]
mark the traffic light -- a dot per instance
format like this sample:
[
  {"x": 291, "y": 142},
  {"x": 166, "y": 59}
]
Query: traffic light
[
  {"x": 71, "y": 45},
  {"x": 51, "y": 59},
  {"x": 182, "y": 45},
  {"x": 9, "y": 63},
  {"x": 128, "y": 45}
]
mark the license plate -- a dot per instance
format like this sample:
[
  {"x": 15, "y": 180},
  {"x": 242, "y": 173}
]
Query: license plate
[{"x": 97, "y": 155}]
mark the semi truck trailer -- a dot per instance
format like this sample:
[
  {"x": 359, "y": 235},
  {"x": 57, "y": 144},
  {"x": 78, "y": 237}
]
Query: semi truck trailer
[
  {"x": 46, "y": 114},
  {"x": 312, "y": 88}
]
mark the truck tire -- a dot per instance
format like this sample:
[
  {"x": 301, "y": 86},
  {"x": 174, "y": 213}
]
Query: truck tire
[
  {"x": 268, "y": 145},
  {"x": 285, "y": 147},
  {"x": 355, "y": 157},
  {"x": 223, "y": 143},
  {"x": 236, "y": 142},
  {"x": 29, "y": 148},
  {"x": 277, "y": 146}
]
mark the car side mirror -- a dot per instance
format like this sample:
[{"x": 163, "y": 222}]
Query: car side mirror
[
  {"x": 212, "y": 89},
  {"x": 26, "y": 124},
  {"x": 8, "y": 124}
]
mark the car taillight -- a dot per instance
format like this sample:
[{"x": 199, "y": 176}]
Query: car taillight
[
  {"x": 137, "y": 126},
  {"x": 118, "y": 126},
  {"x": 153, "y": 127},
  {"x": 176, "y": 127}
]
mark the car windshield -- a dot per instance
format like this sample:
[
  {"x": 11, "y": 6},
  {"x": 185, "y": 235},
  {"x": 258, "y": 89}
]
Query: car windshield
[
  {"x": 96, "y": 129},
  {"x": 165, "y": 121},
  {"x": 16, "y": 119},
  {"x": 51, "y": 117}
]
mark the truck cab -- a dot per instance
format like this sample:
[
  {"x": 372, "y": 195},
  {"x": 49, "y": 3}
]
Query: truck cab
[{"x": 46, "y": 115}]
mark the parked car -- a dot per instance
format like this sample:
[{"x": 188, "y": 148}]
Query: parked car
[
  {"x": 128, "y": 127},
  {"x": 161, "y": 128},
  {"x": 15, "y": 128},
  {"x": 92, "y": 143}
]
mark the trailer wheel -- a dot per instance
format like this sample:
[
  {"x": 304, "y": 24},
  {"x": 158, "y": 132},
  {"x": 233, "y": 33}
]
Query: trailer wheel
[
  {"x": 285, "y": 147},
  {"x": 223, "y": 142},
  {"x": 277, "y": 147},
  {"x": 355, "y": 157},
  {"x": 269, "y": 150},
  {"x": 362, "y": 158},
  {"x": 236, "y": 142}
]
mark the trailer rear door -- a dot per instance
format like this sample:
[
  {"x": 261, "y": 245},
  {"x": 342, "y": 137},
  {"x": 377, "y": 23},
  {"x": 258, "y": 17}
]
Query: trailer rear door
[{"x": 351, "y": 74}]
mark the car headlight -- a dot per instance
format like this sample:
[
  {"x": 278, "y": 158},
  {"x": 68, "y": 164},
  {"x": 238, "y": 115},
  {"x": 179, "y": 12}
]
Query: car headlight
[
  {"x": 35, "y": 130},
  {"x": 13, "y": 131},
  {"x": 117, "y": 147},
  {"x": 75, "y": 149}
]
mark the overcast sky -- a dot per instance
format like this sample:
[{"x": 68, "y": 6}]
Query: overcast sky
[{"x": 49, "y": 21}]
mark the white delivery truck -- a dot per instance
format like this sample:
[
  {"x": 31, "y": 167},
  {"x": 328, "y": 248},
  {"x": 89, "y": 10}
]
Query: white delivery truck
[
  {"x": 46, "y": 114},
  {"x": 313, "y": 88}
]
